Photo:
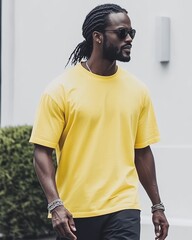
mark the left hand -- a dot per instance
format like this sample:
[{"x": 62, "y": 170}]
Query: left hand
[{"x": 161, "y": 225}]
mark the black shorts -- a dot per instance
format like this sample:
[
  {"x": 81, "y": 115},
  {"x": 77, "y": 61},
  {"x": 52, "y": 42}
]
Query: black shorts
[{"x": 121, "y": 225}]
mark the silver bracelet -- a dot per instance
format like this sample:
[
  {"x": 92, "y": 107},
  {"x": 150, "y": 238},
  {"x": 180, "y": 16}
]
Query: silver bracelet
[
  {"x": 56, "y": 203},
  {"x": 158, "y": 206}
]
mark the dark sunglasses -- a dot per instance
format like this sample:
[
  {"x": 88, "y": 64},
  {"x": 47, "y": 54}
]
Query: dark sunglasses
[{"x": 123, "y": 32}]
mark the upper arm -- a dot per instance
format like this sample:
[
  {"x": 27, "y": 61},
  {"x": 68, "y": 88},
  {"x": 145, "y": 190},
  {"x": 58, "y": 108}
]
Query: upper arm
[
  {"x": 144, "y": 161},
  {"x": 42, "y": 153},
  {"x": 142, "y": 153}
]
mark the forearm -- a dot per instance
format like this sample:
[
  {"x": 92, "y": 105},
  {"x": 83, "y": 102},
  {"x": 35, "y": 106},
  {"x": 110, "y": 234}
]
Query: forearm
[
  {"x": 45, "y": 171},
  {"x": 145, "y": 166},
  {"x": 62, "y": 219}
]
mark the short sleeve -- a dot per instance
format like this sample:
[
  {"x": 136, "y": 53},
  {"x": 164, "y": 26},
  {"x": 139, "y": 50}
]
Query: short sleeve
[
  {"x": 147, "y": 131},
  {"x": 49, "y": 123}
]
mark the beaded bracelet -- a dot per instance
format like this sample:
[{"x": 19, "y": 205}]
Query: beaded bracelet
[
  {"x": 158, "y": 206},
  {"x": 56, "y": 203}
]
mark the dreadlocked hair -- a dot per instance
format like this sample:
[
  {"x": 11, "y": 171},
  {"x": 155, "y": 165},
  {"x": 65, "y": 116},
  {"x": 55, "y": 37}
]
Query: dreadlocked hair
[{"x": 96, "y": 20}]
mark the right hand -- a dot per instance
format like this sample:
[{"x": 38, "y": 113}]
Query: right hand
[{"x": 63, "y": 223}]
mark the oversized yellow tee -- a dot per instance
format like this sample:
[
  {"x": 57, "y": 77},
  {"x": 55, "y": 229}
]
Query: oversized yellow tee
[{"x": 95, "y": 123}]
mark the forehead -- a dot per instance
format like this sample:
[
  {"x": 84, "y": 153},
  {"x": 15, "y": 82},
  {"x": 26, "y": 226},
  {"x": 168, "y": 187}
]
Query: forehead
[{"x": 119, "y": 20}]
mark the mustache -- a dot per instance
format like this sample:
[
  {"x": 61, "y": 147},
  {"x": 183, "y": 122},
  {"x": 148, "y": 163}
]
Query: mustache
[{"x": 127, "y": 46}]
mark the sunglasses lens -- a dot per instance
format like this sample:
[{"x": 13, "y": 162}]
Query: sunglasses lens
[
  {"x": 124, "y": 32},
  {"x": 132, "y": 33}
]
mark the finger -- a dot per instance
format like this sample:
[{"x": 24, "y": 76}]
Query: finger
[
  {"x": 71, "y": 223},
  {"x": 157, "y": 231},
  {"x": 68, "y": 232},
  {"x": 164, "y": 232},
  {"x": 62, "y": 228},
  {"x": 58, "y": 227}
]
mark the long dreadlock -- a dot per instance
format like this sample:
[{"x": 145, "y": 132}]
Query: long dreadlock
[{"x": 96, "y": 20}]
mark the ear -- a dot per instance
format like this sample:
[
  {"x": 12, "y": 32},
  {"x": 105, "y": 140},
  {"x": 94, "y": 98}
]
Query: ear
[{"x": 97, "y": 37}]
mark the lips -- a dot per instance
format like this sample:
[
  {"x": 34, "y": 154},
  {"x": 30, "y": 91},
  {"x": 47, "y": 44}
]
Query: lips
[{"x": 128, "y": 47}]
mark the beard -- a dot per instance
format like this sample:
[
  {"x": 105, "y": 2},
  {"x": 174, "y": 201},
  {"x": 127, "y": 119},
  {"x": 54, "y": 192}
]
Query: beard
[{"x": 113, "y": 53}]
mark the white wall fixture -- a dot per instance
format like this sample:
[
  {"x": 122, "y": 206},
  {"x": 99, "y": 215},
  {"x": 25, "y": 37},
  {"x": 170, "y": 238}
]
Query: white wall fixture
[{"x": 163, "y": 39}]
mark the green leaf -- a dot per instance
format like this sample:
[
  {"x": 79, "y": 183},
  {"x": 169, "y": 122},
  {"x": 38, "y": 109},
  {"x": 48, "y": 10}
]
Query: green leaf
[{"x": 23, "y": 208}]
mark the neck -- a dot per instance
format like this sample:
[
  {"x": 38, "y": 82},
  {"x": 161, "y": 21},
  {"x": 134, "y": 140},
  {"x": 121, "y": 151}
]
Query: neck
[{"x": 100, "y": 67}]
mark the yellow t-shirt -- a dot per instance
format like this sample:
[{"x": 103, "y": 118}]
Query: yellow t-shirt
[{"x": 95, "y": 123}]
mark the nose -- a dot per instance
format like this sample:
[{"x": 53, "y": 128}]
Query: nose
[{"x": 128, "y": 38}]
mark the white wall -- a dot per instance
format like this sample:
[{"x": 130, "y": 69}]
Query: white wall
[{"x": 38, "y": 37}]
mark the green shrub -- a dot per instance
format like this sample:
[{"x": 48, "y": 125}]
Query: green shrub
[{"x": 23, "y": 212}]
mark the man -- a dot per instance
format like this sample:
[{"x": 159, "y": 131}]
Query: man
[{"x": 101, "y": 122}]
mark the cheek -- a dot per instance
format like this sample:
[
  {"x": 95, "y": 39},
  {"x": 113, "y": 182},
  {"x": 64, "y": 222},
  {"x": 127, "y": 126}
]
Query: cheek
[
  {"x": 111, "y": 42},
  {"x": 114, "y": 46}
]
